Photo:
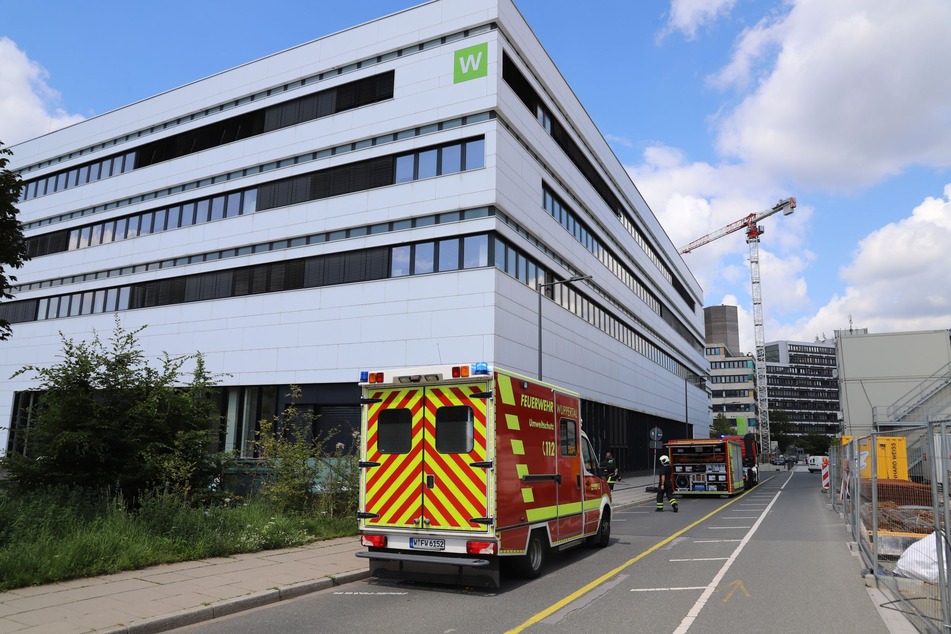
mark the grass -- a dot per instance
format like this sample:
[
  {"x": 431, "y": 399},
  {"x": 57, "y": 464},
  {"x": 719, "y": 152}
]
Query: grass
[{"x": 56, "y": 535}]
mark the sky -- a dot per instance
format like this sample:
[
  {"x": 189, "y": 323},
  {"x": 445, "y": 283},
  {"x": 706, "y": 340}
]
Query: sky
[{"x": 716, "y": 108}]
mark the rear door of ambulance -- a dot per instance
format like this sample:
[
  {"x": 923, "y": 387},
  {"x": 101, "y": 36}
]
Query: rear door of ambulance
[{"x": 425, "y": 462}]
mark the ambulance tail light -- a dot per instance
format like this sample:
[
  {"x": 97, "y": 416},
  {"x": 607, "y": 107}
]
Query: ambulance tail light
[
  {"x": 482, "y": 548},
  {"x": 373, "y": 541},
  {"x": 460, "y": 371}
]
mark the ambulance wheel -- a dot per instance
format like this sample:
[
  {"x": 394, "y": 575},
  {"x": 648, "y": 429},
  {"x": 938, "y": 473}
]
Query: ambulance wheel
[
  {"x": 530, "y": 564},
  {"x": 603, "y": 536}
]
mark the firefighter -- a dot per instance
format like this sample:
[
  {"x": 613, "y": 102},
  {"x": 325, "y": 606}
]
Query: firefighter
[
  {"x": 610, "y": 468},
  {"x": 666, "y": 485}
]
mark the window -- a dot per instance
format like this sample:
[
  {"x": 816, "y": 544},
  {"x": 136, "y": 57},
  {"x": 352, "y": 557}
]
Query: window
[
  {"x": 400, "y": 261},
  {"x": 427, "y": 163},
  {"x": 475, "y": 251},
  {"x": 451, "y": 159},
  {"x": 454, "y": 429},
  {"x": 569, "y": 437},
  {"x": 405, "y": 168},
  {"x": 475, "y": 154},
  {"x": 423, "y": 255},
  {"x": 449, "y": 254},
  {"x": 394, "y": 431}
]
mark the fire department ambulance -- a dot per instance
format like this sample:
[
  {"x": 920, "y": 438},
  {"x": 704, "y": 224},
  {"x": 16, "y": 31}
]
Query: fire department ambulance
[{"x": 463, "y": 466}]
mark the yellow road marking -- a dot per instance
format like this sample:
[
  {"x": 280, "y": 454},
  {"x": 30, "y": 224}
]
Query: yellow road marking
[{"x": 611, "y": 573}]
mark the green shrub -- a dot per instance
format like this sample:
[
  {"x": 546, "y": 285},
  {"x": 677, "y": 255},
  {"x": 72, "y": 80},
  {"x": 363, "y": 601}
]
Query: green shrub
[{"x": 54, "y": 535}]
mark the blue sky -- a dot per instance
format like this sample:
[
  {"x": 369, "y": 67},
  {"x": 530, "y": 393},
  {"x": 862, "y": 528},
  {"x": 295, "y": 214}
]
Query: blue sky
[{"x": 717, "y": 108}]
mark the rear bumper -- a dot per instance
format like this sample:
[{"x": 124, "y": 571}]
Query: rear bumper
[{"x": 451, "y": 569}]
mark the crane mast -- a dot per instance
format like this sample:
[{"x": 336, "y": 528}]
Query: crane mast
[{"x": 753, "y": 232}]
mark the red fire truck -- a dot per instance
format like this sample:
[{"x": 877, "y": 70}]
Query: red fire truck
[
  {"x": 466, "y": 465},
  {"x": 709, "y": 466}
]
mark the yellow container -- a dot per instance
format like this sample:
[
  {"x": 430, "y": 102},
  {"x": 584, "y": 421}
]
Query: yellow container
[{"x": 892, "y": 457}]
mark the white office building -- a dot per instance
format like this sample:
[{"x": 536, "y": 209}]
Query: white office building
[{"x": 390, "y": 195}]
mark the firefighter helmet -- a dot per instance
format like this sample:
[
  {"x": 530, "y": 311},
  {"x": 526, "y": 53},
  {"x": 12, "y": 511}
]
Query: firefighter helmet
[{"x": 664, "y": 459}]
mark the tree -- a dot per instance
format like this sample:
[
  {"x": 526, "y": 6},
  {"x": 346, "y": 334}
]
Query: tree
[
  {"x": 722, "y": 426},
  {"x": 780, "y": 429},
  {"x": 12, "y": 243},
  {"x": 106, "y": 419},
  {"x": 816, "y": 444}
]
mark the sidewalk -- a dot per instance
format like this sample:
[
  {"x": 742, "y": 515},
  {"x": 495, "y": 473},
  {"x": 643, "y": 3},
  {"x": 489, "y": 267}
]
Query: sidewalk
[{"x": 165, "y": 597}]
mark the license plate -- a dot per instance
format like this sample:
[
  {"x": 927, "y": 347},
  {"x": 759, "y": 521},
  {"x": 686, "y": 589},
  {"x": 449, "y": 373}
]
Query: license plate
[{"x": 424, "y": 543}]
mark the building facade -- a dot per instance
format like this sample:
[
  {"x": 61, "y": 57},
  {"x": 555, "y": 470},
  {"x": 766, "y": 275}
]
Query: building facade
[
  {"x": 397, "y": 194},
  {"x": 893, "y": 379},
  {"x": 732, "y": 379},
  {"x": 733, "y": 386},
  {"x": 802, "y": 382},
  {"x": 721, "y": 326}
]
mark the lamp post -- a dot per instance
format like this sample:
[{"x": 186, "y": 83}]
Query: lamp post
[{"x": 576, "y": 278}]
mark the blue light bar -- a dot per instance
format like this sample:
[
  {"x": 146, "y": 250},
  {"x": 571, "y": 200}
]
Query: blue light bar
[{"x": 480, "y": 368}]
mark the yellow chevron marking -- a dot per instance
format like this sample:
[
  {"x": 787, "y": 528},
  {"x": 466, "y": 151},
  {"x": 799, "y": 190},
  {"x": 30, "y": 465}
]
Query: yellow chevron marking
[
  {"x": 521, "y": 470},
  {"x": 504, "y": 386},
  {"x": 528, "y": 496},
  {"x": 511, "y": 421},
  {"x": 518, "y": 448}
]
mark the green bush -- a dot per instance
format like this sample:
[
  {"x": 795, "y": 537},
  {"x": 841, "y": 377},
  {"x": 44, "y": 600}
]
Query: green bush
[
  {"x": 300, "y": 472},
  {"x": 54, "y": 534}
]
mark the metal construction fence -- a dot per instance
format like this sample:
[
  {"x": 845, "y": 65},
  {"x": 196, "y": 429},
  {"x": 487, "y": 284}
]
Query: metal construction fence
[{"x": 891, "y": 489}]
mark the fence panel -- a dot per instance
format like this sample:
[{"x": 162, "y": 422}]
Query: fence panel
[{"x": 892, "y": 493}]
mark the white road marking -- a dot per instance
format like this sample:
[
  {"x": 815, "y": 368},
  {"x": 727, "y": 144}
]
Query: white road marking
[
  {"x": 701, "y": 559},
  {"x": 666, "y": 589},
  {"x": 708, "y": 592}
]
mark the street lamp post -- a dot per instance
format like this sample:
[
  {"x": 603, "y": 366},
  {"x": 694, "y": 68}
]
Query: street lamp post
[{"x": 576, "y": 278}]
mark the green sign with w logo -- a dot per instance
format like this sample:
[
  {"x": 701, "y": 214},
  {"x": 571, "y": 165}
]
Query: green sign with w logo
[{"x": 470, "y": 63}]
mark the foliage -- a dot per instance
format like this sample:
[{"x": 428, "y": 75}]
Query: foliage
[
  {"x": 816, "y": 444},
  {"x": 780, "y": 429},
  {"x": 53, "y": 534},
  {"x": 12, "y": 244},
  {"x": 722, "y": 426},
  {"x": 108, "y": 420},
  {"x": 301, "y": 473}
]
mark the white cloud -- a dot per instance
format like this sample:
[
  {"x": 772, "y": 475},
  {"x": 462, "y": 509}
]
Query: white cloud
[
  {"x": 837, "y": 97},
  {"x": 850, "y": 96},
  {"x": 897, "y": 279},
  {"x": 28, "y": 104},
  {"x": 686, "y": 16}
]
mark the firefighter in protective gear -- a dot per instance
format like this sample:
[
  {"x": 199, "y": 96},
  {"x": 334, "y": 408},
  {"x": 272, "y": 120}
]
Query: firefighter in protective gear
[
  {"x": 666, "y": 485},
  {"x": 610, "y": 468}
]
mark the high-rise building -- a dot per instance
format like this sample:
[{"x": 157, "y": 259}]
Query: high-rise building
[
  {"x": 732, "y": 374},
  {"x": 721, "y": 325},
  {"x": 802, "y": 382},
  {"x": 402, "y": 193}
]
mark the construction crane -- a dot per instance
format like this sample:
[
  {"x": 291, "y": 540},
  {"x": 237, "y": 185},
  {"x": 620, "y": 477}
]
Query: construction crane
[{"x": 753, "y": 232}]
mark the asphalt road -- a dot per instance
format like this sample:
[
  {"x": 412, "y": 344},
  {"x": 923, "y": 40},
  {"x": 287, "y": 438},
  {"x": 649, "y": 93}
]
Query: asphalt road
[{"x": 775, "y": 559}]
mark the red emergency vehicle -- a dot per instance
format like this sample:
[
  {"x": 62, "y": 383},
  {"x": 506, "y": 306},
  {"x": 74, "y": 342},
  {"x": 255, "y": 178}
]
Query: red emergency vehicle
[
  {"x": 708, "y": 466},
  {"x": 463, "y": 466}
]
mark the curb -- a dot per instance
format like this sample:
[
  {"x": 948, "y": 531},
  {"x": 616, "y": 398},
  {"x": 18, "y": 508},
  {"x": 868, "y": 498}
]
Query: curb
[{"x": 193, "y": 616}]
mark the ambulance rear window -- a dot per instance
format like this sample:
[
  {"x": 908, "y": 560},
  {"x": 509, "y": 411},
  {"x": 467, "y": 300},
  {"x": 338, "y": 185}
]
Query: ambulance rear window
[
  {"x": 454, "y": 429},
  {"x": 395, "y": 431}
]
